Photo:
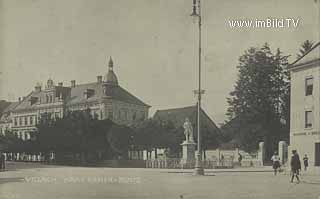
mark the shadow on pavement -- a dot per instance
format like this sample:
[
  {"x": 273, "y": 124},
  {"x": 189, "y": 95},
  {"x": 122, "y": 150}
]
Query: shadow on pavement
[
  {"x": 313, "y": 183},
  {"x": 10, "y": 180},
  {"x": 16, "y": 166}
]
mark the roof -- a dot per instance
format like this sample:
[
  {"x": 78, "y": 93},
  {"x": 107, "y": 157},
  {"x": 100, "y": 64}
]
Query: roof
[
  {"x": 77, "y": 95},
  {"x": 25, "y": 103},
  {"x": 11, "y": 107},
  {"x": 114, "y": 92},
  {"x": 3, "y": 105},
  {"x": 178, "y": 116},
  {"x": 312, "y": 56}
]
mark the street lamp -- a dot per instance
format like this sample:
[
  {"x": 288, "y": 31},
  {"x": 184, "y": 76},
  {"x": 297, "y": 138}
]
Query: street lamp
[{"x": 197, "y": 15}]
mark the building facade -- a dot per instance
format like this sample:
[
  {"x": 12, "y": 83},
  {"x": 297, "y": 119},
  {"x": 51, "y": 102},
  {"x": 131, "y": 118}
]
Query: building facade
[
  {"x": 105, "y": 98},
  {"x": 305, "y": 105}
]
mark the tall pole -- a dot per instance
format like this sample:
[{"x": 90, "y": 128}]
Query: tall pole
[{"x": 198, "y": 167}]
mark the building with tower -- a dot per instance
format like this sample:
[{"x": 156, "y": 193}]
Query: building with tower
[{"x": 105, "y": 98}]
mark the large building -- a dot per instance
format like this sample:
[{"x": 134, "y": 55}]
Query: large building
[
  {"x": 105, "y": 98},
  {"x": 305, "y": 105}
]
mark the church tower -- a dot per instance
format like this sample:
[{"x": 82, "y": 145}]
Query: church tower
[
  {"x": 110, "y": 80},
  {"x": 110, "y": 77}
]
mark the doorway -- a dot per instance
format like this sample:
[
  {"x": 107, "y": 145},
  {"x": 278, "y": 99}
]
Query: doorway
[{"x": 317, "y": 155}]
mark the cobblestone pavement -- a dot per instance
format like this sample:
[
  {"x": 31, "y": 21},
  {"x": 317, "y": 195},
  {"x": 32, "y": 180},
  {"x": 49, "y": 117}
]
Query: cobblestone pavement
[{"x": 35, "y": 181}]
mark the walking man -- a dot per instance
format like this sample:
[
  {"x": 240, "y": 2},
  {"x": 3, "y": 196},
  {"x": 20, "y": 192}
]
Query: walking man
[
  {"x": 295, "y": 165},
  {"x": 305, "y": 162},
  {"x": 239, "y": 158}
]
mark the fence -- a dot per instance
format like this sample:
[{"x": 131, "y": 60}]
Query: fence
[{"x": 174, "y": 163}]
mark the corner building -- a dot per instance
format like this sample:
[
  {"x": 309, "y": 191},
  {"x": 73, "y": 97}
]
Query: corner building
[
  {"x": 305, "y": 106},
  {"x": 105, "y": 98}
]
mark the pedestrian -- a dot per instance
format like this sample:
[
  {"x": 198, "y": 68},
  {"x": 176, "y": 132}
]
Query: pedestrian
[
  {"x": 239, "y": 158},
  {"x": 2, "y": 161},
  {"x": 305, "y": 162},
  {"x": 222, "y": 160},
  {"x": 275, "y": 162},
  {"x": 295, "y": 165}
]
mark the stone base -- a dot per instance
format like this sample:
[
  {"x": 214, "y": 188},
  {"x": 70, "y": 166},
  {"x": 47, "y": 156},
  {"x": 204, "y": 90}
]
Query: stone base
[{"x": 188, "y": 154}]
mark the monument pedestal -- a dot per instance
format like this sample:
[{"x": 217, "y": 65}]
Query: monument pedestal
[{"x": 188, "y": 154}]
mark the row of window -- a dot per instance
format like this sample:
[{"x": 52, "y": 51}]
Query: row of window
[
  {"x": 24, "y": 121},
  {"x": 49, "y": 98},
  {"x": 23, "y": 135}
]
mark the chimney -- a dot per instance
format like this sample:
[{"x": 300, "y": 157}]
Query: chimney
[
  {"x": 60, "y": 84},
  {"x": 99, "y": 79},
  {"x": 37, "y": 88},
  {"x": 73, "y": 83}
]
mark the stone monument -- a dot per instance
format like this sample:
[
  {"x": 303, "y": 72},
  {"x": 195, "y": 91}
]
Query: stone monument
[{"x": 188, "y": 146}]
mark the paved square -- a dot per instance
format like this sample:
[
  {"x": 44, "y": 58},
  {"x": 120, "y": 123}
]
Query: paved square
[{"x": 32, "y": 181}]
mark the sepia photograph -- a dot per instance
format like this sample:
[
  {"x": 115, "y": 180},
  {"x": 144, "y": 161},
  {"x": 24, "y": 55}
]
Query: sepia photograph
[{"x": 159, "y": 99}]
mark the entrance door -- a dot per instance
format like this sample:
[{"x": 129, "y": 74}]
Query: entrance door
[{"x": 317, "y": 155}]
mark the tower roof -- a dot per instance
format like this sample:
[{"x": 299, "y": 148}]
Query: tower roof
[{"x": 111, "y": 77}]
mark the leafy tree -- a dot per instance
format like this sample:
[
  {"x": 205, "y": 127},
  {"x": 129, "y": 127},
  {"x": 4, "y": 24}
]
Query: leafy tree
[
  {"x": 305, "y": 47},
  {"x": 80, "y": 133},
  {"x": 259, "y": 101},
  {"x": 11, "y": 143},
  {"x": 152, "y": 134},
  {"x": 119, "y": 138}
]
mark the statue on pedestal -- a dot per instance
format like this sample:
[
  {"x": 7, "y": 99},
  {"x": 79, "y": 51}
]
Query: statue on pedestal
[
  {"x": 188, "y": 146},
  {"x": 188, "y": 130}
]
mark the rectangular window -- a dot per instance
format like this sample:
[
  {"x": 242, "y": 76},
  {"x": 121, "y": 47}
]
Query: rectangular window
[
  {"x": 20, "y": 121},
  {"x": 15, "y": 121},
  {"x": 110, "y": 115},
  {"x": 309, "y": 86},
  {"x": 31, "y": 120},
  {"x": 25, "y": 121},
  {"x": 308, "y": 119}
]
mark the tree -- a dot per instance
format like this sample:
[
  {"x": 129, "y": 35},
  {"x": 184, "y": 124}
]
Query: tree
[
  {"x": 83, "y": 136},
  {"x": 11, "y": 143},
  {"x": 260, "y": 98},
  {"x": 152, "y": 134},
  {"x": 305, "y": 47}
]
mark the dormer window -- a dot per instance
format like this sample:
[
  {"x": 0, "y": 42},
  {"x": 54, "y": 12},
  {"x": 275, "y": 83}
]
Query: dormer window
[
  {"x": 88, "y": 93},
  {"x": 33, "y": 100}
]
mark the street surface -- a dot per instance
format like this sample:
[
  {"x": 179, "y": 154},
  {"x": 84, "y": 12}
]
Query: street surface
[{"x": 37, "y": 181}]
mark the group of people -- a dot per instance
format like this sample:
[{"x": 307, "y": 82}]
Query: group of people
[
  {"x": 295, "y": 164},
  {"x": 2, "y": 162}
]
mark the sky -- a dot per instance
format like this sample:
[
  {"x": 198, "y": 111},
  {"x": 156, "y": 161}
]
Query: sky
[{"x": 153, "y": 44}]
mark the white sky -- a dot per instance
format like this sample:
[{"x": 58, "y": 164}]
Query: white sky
[{"x": 153, "y": 44}]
